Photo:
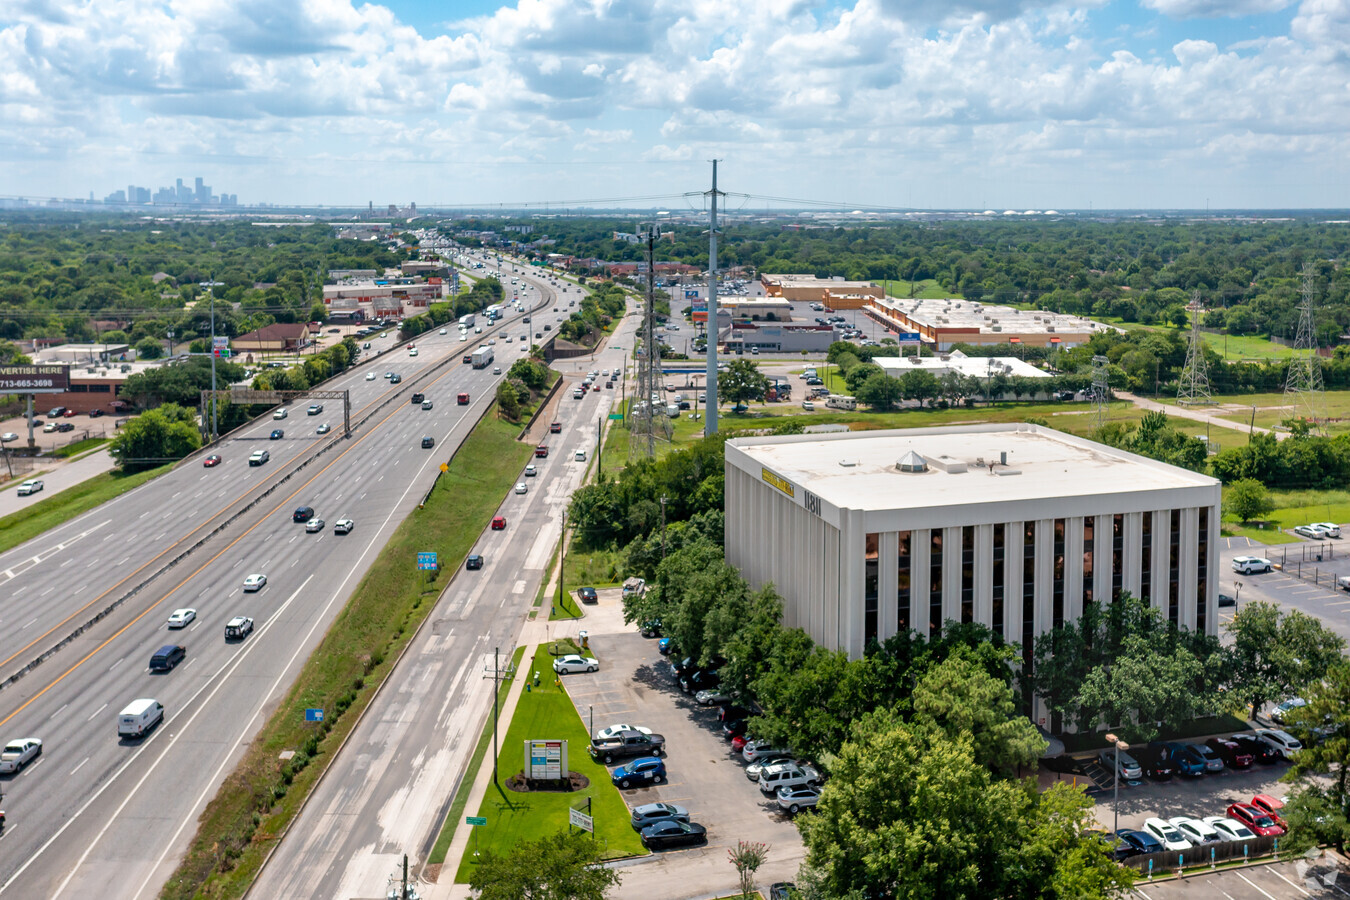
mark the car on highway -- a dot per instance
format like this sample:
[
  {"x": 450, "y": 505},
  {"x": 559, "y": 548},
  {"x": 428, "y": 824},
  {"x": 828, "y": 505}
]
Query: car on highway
[
  {"x": 1331, "y": 528},
  {"x": 566, "y": 665},
  {"x": 343, "y": 526},
  {"x": 428, "y": 442},
  {"x": 389, "y": 375},
  {"x": 1255, "y": 819},
  {"x": 314, "y": 525},
  {"x": 412, "y": 351},
  {"x": 614, "y": 731},
  {"x": 541, "y": 451},
  {"x": 211, "y": 461},
  {"x": 238, "y": 628},
  {"x": 522, "y": 487},
  {"x": 795, "y": 799},
  {"x": 277, "y": 434},
  {"x": 498, "y": 523},
  {"x": 31, "y": 486},
  {"x": 370, "y": 376},
  {"x": 555, "y": 428},
  {"x": 1246, "y": 565},
  {"x": 650, "y": 813},
  {"x": 1229, "y": 829},
  {"x": 1314, "y": 532},
  {"x": 302, "y": 514},
  {"x": 642, "y": 771},
  {"x": 673, "y": 834},
  {"x": 588, "y": 595},
  {"x": 280, "y": 414},
  {"x": 426, "y": 404},
  {"x": 474, "y": 561},
  {"x": 258, "y": 457},
  {"x": 531, "y": 471},
  {"x": 315, "y": 409},
  {"x": 442, "y": 331},
  {"x": 323, "y": 429},
  {"x": 579, "y": 456},
  {"x": 254, "y": 582},
  {"x": 182, "y": 618},
  {"x": 167, "y": 657},
  {"x": 462, "y": 398},
  {"x": 7, "y": 437},
  {"x": 18, "y": 754},
  {"x": 395, "y": 378}
]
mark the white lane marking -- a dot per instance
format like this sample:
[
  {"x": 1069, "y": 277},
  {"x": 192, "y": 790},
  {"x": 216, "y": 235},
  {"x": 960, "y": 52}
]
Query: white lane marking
[
  {"x": 30, "y": 623},
  {"x": 58, "y": 712},
  {"x": 96, "y": 712},
  {"x": 123, "y": 560},
  {"x": 80, "y": 766},
  {"x": 1254, "y": 884},
  {"x": 116, "y": 664},
  {"x": 78, "y": 589},
  {"x": 143, "y": 515},
  {"x": 1276, "y": 872}
]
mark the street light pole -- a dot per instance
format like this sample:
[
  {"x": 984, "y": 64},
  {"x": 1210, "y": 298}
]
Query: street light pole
[
  {"x": 215, "y": 401},
  {"x": 1115, "y": 802}
]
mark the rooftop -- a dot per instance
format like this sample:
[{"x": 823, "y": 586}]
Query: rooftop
[
  {"x": 861, "y": 470},
  {"x": 956, "y": 361},
  {"x": 952, "y": 313},
  {"x": 806, "y": 280}
]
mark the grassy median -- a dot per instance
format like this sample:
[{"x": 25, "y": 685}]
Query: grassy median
[
  {"x": 65, "y": 505},
  {"x": 513, "y": 817},
  {"x": 262, "y": 796}
]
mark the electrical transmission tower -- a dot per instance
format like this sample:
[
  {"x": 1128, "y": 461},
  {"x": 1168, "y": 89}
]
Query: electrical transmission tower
[
  {"x": 1193, "y": 387},
  {"x": 1100, "y": 390},
  {"x": 645, "y": 421},
  {"x": 1303, "y": 387}
]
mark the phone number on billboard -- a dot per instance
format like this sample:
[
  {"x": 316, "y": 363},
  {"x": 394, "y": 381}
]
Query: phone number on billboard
[{"x": 14, "y": 384}]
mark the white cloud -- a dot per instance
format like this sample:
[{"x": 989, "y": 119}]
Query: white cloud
[{"x": 1210, "y": 9}]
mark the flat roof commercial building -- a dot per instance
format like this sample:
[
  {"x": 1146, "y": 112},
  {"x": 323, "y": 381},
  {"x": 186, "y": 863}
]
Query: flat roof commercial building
[
  {"x": 870, "y": 534},
  {"x": 381, "y": 300},
  {"x": 818, "y": 290},
  {"x": 956, "y": 361},
  {"x": 947, "y": 322},
  {"x": 777, "y": 337}
]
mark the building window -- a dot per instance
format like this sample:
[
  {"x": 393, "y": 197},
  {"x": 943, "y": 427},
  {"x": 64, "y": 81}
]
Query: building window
[
  {"x": 1057, "y": 584},
  {"x": 1202, "y": 575},
  {"x": 1028, "y": 592},
  {"x": 1117, "y": 555},
  {"x": 902, "y": 585},
  {"x": 968, "y": 574},
  {"x": 998, "y": 580},
  {"x": 1174, "y": 569},
  {"x": 935, "y": 583},
  {"x": 1088, "y": 525},
  {"x": 1146, "y": 560},
  {"x": 870, "y": 590}
]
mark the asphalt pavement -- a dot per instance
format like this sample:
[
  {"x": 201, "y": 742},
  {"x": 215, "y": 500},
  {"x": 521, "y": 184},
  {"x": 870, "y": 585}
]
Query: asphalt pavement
[
  {"x": 97, "y": 816},
  {"x": 57, "y": 476}
]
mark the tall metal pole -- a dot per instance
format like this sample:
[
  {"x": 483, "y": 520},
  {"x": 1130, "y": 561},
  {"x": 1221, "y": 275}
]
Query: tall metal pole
[
  {"x": 496, "y": 692},
  {"x": 215, "y": 402},
  {"x": 710, "y": 408}
]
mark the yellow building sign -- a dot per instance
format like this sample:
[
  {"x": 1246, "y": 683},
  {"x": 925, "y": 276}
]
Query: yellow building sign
[{"x": 778, "y": 482}]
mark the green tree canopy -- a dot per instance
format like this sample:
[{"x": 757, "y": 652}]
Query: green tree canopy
[
  {"x": 561, "y": 866},
  {"x": 1247, "y": 499},
  {"x": 155, "y": 437},
  {"x": 1277, "y": 653}
]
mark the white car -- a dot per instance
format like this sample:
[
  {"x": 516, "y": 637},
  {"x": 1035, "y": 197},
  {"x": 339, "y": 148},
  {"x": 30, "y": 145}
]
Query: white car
[
  {"x": 1331, "y": 528},
  {"x": 565, "y": 665},
  {"x": 20, "y": 753},
  {"x": 8, "y": 436},
  {"x": 343, "y": 526},
  {"x": 531, "y": 471},
  {"x": 49, "y": 428},
  {"x": 521, "y": 487},
  {"x": 314, "y": 526},
  {"x": 181, "y": 618},
  {"x": 605, "y": 734},
  {"x": 755, "y": 750},
  {"x": 1169, "y": 837},
  {"x": 1229, "y": 829},
  {"x": 1315, "y": 532},
  {"x": 412, "y": 351},
  {"x": 32, "y": 486},
  {"x": 442, "y": 331},
  {"x": 254, "y": 582},
  {"x": 279, "y": 414},
  {"x": 794, "y": 799},
  {"x": 1283, "y": 742},
  {"x": 579, "y": 456},
  {"x": 370, "y": 376},
  {"x": 1249, "y": 564},
  {"x": 1194, "y": 830}
]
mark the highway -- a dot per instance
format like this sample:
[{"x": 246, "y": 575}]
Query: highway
[
  {"x": 96, "y": 816},
  {"x": 386, "y": 793}
]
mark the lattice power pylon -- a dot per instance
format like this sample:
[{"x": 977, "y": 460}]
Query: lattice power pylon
[
  {"x": 1303, "y": 386},
  {"x": 646, "y": 422},
  {"x": 1193, "y": 386},
  {"x": 1100, "y": 390}
]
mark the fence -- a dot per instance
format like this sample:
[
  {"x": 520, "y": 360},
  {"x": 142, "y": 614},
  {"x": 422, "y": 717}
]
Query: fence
[
  {"x": 1304, "y": 563},
  {"x": 1171, "y": 862}
]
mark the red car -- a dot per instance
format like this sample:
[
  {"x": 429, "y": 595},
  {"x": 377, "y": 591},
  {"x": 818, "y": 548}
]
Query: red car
[
  {"x": 211, "y": 461},
  {"x": 541, "y": 451},
  {"x": 738, "y": 742},
  {"x": 1256, "y": 819},
  {"x": 463, "y": 398},
  {"x": 1271, "y": 806},
  {"x": 498, "y": 523},
  {"x": 69, "y": 414},
  {"x": 555, "y": 428}
]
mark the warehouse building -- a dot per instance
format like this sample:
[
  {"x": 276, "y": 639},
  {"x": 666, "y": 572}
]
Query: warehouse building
[
  {"x": 942, "y": 323},
  {"x": 835, "y": 292},
  {"x": 870, "y": 534}
]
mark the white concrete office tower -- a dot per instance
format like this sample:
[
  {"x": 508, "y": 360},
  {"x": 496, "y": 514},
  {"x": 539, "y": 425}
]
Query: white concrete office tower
[{"x": 868, "y": 534}]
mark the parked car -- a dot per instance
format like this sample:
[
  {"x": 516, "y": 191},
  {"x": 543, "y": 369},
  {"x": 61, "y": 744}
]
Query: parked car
[
  {"x": 1194, "y": 830},
  {"x": 1129, "y": 766},
  {"x": 1256, "y": 819},
  {"x": 1229, "y": 829},
  {"x": 673, "y": 834},
  {"x": 754, "y": 751},
  {"x": 1285, "y": 707},
  {"x": 1282, "y": 742},
  {"x": 650, "y": 813},
  {"x": 1313, "y": 532},
  {"x": 734, "y": 728},
  {"x": 795, "y": 799},
  {"x": 1213, "y": 761},
  {"x": 1249, "y": 564},
  {"x": 616, "y": 730},
  {"x": 1155, "y": 761},
  {"x": 1186, "y": 760},
  {"x": 711, "y": 697},
  {"x": 779, "y": 775},
  {"x": 1259, "y": 749},
  {"x": 1232, "y": 754},
  {"x": 639, "y": 772},
  {"x": 1168, "y": 836},
  {"x": 1271, "y": 806},
  {"x": 700, "y": 680},
  {"x": 566, "y": 665},
  {"x": 1331, "y": 528},
  {"x": 588, "y": 595},
  {"x": 1139, "y": 841},
  {"x": 627, "y": 744}
]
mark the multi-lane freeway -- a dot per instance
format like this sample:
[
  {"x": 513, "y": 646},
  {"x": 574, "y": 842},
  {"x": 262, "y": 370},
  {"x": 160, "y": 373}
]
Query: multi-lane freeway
[{"x": 94, "y": 815}]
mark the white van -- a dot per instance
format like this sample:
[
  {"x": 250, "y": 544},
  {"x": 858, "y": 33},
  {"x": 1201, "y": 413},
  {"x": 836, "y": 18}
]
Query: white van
[{"x": 139, "y": 717}]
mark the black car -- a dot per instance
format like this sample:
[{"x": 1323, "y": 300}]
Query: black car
[
  {"x": 678, "y": 669},
  {"x": 588, "y": 595},
  {"x": 1226, "y": 600},
  {"x": 1155, "y": 761},
  {"x": 302, "y": 514},
  {"x": 782, "y": 890},
  {"x": 428, "y": 442},
  {"x": 651, "y": 628},
  {"x": 277, "y": 434},
  {"x": 731, "y": 712},
  {"x": 701, "y": 680},
  {"x": 167, "y": 657},
  {"x": 473, "y": 562},
  {"x": 733, "y": 728},
  {"x": 65, "y": 426},
  {"x": 1232, "y": 754},
  {"x": 1259, "y": 749},
  {"x": 673, "y": 834},
  {"x": 1138, "y": 842}
]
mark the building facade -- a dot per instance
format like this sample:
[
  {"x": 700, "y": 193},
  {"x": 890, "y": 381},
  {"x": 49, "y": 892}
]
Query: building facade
[
  {"x": 945, "y": 322},
  {"x": 818, "y": 290},
  {"x": 378, "y": 300},
  {"x": 870, "y": 534}
]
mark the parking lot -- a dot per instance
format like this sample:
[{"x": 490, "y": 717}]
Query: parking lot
[
  {"x": 1321, "y": 878},
  {"x": 634, "y": 685},
  {"x": 1316, "y": 598}
]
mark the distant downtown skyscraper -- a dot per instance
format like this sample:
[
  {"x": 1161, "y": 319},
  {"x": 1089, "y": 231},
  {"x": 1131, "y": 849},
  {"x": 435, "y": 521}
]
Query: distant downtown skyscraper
[{"x": 197, "y": 194}]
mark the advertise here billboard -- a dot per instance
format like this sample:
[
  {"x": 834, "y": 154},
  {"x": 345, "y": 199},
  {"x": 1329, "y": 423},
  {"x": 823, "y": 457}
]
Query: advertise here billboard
[{"x": 34, "y": 379}]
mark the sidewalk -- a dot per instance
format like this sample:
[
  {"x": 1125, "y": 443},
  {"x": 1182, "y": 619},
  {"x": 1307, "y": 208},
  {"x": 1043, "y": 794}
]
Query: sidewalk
[
  {"x": 1196, "y": 415},
  {"x": 60, "y": 474}
]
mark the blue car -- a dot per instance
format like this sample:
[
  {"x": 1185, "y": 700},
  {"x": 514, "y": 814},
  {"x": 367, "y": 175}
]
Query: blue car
[
  {"x": 1186, "y": 759},
  {"x": 664, "y": 646},
  {"x": 1133, "y": 843},
  {"x": 640, "y": 772}
]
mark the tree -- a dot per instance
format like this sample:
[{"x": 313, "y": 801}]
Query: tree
[
  {"x": 155, "y": 437},
  {"x": 880, "y": 391},
  {"x": 148, "y": 348},
  {"x": 1320, "y": 813},
  {"x": 508, "y": 401},
  {"x": 741, "y": 381},
  {"x": 561, "y": 866},
  {"x": 919, "y": 384},
  {"x": 747, "y": 858},
  {"x": 1276, "y": 654},
  {"x": 1247, "y": 499}
]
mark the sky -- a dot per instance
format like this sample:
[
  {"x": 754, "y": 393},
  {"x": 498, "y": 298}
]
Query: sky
[{"x": 923, "y": 104}]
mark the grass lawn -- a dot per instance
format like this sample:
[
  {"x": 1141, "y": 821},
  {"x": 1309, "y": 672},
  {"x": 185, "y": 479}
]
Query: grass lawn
[
  {"x": 79, "y": 447},
  {"x": 922, "y": 289},
  {"x": 455, "y": 816},
  {"x": 513, "y": 818},
  {"x": 1294, "y": 508},
  {"x": 65, "y": 505},
  {"x": 1272, "y": 409},
  {"x": 1245, "y": 346},
  {"x": 262, "y": 796}
]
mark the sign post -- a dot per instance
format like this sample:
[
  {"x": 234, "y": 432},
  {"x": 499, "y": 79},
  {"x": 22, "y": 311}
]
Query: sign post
[
  {"x": 474, "y": 822},
  {"x": 313, "y": 715},
  {"x": 581, "y": 820}
]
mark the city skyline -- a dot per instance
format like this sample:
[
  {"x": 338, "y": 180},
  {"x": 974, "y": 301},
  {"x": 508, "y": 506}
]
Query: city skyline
[{"x": 974, "y": 104}]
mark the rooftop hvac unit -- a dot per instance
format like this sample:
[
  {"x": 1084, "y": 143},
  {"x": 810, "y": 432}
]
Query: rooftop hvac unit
[
  {"x": 1049, "y": 328},
  {"x": 995, "y": 327}
]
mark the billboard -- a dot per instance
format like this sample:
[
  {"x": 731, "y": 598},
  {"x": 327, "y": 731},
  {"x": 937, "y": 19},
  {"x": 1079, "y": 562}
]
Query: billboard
[
  {"x": 546, "y": 760},
  {"x": 34, "y": 379}
]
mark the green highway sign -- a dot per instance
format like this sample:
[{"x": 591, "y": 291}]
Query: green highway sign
[
  {"x": 475, "y": 820},
  {"x": 616, "y": 416}
]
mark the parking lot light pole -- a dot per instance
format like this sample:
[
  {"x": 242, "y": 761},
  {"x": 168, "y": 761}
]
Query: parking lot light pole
[{"x": 1115, "y": 802}]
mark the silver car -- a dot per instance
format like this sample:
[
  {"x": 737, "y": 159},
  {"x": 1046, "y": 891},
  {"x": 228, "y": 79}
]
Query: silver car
[
  {"x": 651, "y": 813},
  {"x": 1129, "y": 767}
]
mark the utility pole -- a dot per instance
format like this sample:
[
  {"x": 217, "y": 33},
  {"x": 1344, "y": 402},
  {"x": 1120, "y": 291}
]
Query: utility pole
[
  {"x": 215, "y": 400},
  {"x": 663, "y": 526},
  {"x": 710, "y": 408},
  {"x": 496, "y": 692},
  {"x": 562, "y": 555}
]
